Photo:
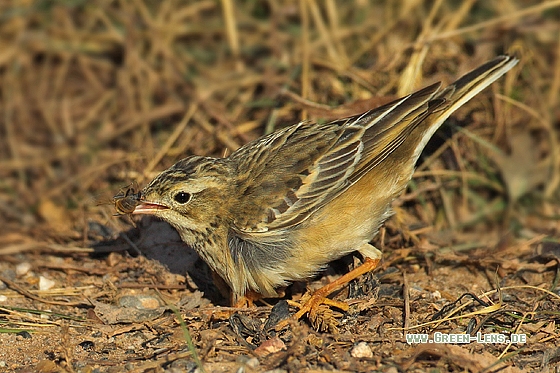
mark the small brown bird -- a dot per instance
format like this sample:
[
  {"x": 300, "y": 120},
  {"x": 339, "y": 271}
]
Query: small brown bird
[{"x": 280, "y": 208}]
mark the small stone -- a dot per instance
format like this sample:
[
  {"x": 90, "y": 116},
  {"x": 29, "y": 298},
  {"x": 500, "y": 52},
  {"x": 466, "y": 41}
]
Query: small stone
[
  {"x": 361, "y": 350},
  {"x": 24, "y": 334},
  {"x": 252, "y": 363},
  {"x": 113, "y": 259},
  {"x": 23, "y": 268},
  {"x": 3, "y": 298},
  {"x": 270, "y": 346},
  {"x": 139, "y": 301},
  {"x": 247, "y": 362},
  {"x": 9, "y": 274},
  {"x": 87, "y": 345},
  {"x": 436, "y": 295},
  {"x": 45, "y": 283}
]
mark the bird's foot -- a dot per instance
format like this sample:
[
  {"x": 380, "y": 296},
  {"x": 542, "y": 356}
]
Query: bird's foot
[{"x": 317, "y": 306}]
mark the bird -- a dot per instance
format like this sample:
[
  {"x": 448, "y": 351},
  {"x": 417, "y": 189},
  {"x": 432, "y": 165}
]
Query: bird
[{"x": 283, "y": 206}]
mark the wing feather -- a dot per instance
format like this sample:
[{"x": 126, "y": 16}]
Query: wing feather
[{"x": 293, "y": 172}]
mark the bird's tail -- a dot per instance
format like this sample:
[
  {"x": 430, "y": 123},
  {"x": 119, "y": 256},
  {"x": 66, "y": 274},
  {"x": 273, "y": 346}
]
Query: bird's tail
[{"x": 462, "y": 90}]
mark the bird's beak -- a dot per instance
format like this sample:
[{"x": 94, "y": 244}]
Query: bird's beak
[{"x": 148, "y": 208}]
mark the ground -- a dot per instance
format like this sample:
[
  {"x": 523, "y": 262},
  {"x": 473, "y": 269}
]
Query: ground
[{"x": 98, "y": 96}]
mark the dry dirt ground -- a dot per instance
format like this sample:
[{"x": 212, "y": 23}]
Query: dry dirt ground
[{"x": 96, "y": 95}]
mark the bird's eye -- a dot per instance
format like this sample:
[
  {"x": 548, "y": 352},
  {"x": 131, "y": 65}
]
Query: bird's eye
[{"x": 182, "y": 197}]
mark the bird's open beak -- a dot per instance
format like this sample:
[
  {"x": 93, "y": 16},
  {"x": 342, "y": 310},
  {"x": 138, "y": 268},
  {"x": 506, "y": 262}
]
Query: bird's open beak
[{"x": 148, "y": 208}]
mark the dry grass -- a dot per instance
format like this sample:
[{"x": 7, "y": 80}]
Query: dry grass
[{"x": 96, "y": 95}]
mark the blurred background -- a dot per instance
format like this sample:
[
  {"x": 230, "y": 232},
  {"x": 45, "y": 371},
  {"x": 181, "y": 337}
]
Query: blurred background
[{"x": 96, "y": 95}]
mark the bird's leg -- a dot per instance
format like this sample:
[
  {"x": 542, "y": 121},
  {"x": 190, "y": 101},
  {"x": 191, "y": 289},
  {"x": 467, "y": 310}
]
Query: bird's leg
[
  {"x": 311, "y": 306},
  {"x": 247, "y": 300},
  {"x": 320, "y": 296}
]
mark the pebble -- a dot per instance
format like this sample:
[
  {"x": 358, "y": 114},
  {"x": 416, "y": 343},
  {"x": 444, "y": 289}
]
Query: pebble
[
  {"x": 139, "y": 301},
  {"x": 361, "y": 350},
  {"x": 45, "y": 283},
  {"x": 253, "y": 363},
  {"x": 9, "y": 274},
  {"x": 250, "y": 362},
  {"x": 23, "y": 268},
  {"x": 270, "y": 346}
]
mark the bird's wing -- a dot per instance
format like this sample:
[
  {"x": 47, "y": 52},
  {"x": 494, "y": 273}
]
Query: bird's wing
[{"x": 288, "y": 175}]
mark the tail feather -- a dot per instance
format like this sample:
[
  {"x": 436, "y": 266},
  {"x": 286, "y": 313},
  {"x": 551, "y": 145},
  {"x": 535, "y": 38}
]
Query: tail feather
[{"x": 462, "y": 90}]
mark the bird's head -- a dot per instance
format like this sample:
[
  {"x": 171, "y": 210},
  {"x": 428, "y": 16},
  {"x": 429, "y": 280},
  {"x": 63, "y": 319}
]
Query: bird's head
[{"x": 191, "y": 195}]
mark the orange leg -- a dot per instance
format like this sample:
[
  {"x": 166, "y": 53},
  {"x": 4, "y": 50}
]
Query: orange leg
[
  {"x": 248, "y": 300},
  {"x": 318, "y": 298}
]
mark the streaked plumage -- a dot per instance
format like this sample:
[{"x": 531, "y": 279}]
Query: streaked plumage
[{"x": 281, "y": 207}]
